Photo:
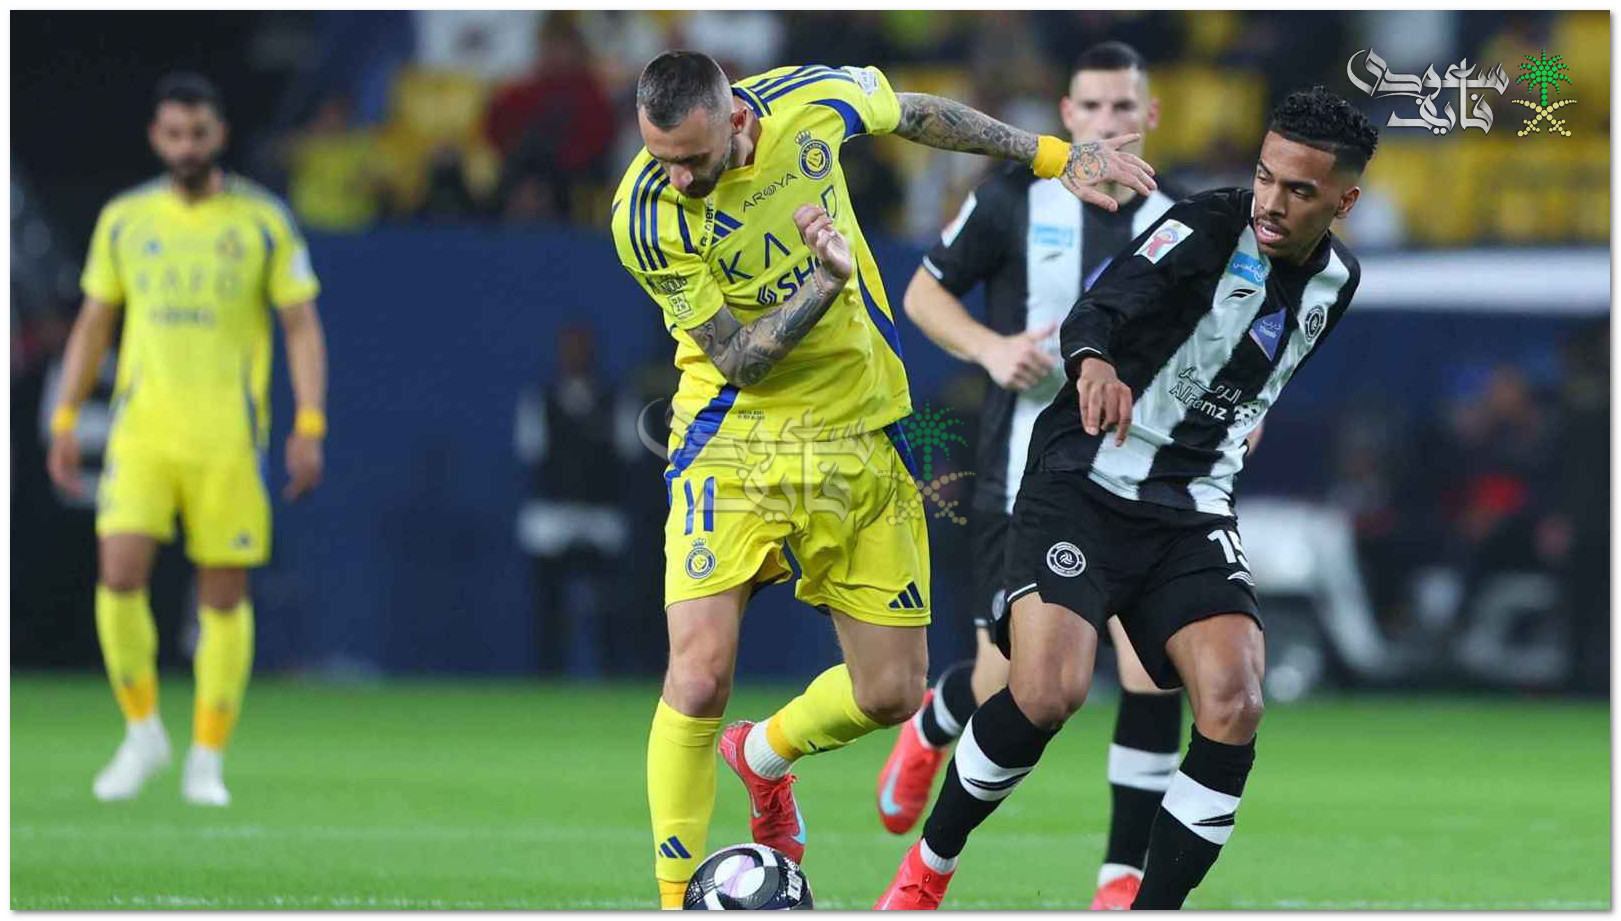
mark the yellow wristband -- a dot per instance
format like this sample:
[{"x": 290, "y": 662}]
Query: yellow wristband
[
  {"x": 64, "y": 419},
  {"x": 310, "y": 423},
  {"x": 1052, "y": 155}
]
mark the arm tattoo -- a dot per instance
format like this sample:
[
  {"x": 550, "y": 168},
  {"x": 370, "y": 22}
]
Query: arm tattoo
[
  {"x": 949, "y": 125},
  {"x": 745, "y": 354}
]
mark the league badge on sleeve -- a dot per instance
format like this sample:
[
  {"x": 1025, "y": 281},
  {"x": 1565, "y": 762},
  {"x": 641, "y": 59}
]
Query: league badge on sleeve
[{"x": 1168, "y": 237}]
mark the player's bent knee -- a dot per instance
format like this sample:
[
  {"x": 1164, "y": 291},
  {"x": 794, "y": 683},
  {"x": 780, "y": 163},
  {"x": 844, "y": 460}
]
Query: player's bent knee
[
  {"x": 892, "y": 697},
  {"x": 1230, "y": 712},
  {"x": 697, "y": 690},
  {"x": 1048, "y": 701},
  {"x": 122, "y": 579}
]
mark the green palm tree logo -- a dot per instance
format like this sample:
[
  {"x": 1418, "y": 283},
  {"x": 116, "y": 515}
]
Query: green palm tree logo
[
  {"x": 929, "y": 430},
  {"x": 1542, "y": 73}
]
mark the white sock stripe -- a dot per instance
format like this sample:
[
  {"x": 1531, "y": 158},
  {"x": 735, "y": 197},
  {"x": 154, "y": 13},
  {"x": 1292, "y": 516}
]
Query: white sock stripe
[
  {"x": 983, "y": 778},
  {"x": 1110, "y": 872},
  {"x": 761, "y": 757},
  {"x": 934, "y": 861},
  {"x": 942, "y": 716},
  {"x": 1203, "y": 811},
  {"x": 1133, "y": 767}
]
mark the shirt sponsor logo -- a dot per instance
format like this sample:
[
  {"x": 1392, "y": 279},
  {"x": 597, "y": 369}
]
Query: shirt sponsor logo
[
  {"x": 1267, "y": 331},
  {"x": 1052, "y": 235},
  {"x": 1248, "y": 268}
]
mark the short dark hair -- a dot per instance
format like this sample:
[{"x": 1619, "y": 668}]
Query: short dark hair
[
  {"x": 1110, "y": 55},
  {"x": 187, "y": 88},
  {"x": 676, "y": 82},
  {"x": 1321, "y": 119}
]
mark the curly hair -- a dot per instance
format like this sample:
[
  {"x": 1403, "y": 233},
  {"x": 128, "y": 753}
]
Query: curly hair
[{"x": 1320, "y": 119}]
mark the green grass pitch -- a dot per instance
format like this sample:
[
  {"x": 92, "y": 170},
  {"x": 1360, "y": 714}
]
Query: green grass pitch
[{"x": 439, "y": 795}]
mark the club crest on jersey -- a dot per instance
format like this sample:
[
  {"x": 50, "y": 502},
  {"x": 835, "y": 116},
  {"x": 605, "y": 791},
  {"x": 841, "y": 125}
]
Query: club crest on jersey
[
  {"x": 815, "y": 157},
  {"x": 1168, "y": 237},
  {"x": 1312, "y": 325},
  {"x": 1066, "y": 559},
  {"x": 229, "y": 245},
  {"x": 700, "y": 561}
]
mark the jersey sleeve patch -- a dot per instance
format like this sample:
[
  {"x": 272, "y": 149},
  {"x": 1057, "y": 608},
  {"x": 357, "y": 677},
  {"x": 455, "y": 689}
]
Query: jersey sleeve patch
[{"x": 1168, "y": 237}]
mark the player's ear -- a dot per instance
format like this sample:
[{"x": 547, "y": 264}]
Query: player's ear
[
  {"x": 1151, "y": 120},
  {"x": 1066, "y": 113},
  {"x": 1348, "y": 201},
  {"x": 740, "y": 117}
]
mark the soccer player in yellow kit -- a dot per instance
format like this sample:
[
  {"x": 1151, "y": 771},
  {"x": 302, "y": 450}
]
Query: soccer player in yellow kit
[
  {"x": 736, "y": 220},
  {"x": 197, "y": 261}
]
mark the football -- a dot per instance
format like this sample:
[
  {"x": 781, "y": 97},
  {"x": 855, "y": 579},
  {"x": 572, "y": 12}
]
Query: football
[{"x": 748, "y": 877}]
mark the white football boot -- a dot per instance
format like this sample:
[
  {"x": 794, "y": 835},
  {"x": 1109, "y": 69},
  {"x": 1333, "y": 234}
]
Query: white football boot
[
  {"x": 203, "y": 781},
  {"x": 143, "y": 753}
]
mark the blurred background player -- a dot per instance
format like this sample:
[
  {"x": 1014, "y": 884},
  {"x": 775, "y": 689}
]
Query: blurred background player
[
  {"x": 194, "y": 260},
  {"x": 1036, "y": 248},
  {"x": 736, "y": 220},
  {"x": 1171, "y": 360}
]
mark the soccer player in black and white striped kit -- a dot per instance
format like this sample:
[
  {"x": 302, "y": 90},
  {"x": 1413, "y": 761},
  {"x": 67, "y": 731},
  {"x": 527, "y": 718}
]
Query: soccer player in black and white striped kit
[
  {"x": 1035, "y": 249},
  {"x": 1171, "y": 358}
]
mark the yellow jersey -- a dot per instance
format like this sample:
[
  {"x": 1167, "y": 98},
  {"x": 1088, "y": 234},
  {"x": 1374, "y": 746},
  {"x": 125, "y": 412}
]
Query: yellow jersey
[
  {"x": 739, "y": 247},
  {"x": 196, "y": 281}
]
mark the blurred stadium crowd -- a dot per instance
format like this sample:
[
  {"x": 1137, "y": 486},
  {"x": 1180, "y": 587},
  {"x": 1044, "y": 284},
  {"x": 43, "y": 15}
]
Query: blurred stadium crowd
[{"x": 521, "y": 118}]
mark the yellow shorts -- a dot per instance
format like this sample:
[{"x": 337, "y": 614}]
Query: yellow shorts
[
  {"x": 848, "y": 509},
  {"x": 222, "y": 498}
]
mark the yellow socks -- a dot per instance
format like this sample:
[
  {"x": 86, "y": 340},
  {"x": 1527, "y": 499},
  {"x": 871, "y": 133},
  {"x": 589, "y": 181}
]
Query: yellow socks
[
  {"x": 129, "y": 646},
  {"x": 680, "y": 796},
  {"x": 823, "y": 718},
  {"x": 224, "y": 659}
]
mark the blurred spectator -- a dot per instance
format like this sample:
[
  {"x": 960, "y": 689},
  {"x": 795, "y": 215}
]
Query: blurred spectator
[
  {"x": 334, "y": 184},
  {"x": 553, "y": 128},
  {"x": 745, "y": 42},
  {"x": 492, "y": 45},
  {"x": 1580, "y": 523},
  {"x": 572, "y": 526},
  {"x": 433, "y": 155}
]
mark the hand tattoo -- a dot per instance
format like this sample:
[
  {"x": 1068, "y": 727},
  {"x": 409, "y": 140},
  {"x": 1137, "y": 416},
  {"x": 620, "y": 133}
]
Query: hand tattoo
[
  {"x": 745, "y": 354},
  {"x": 949, "y": 125},
  {"x": 1088, "y": 162}
]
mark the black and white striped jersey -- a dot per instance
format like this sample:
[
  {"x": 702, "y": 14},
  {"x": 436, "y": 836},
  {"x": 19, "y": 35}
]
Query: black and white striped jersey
[
  {"x": 1035, "y": 247},
  {"x": 1205, "y": 330}
]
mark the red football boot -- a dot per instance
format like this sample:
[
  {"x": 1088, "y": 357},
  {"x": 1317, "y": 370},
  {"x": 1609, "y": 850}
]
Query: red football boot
[
  {"x": 1118, "y": 893},
  {"x": 908, "y": 777},
  {"x": 915, "y": 887},
  {"x": 774, "y": 816}
]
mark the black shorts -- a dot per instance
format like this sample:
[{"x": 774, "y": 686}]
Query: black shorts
[
  {"x": 988, "y": 531},
  {"x": 1157, "y": 568}
]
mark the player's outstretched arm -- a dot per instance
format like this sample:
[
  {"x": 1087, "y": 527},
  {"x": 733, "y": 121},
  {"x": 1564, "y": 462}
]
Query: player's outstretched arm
[
  {"x": 306, "y": 363},
  {"x": 745, "y": 354},
  {"x": 87, "y": 344},
  {"x": 947, "y": 124}
]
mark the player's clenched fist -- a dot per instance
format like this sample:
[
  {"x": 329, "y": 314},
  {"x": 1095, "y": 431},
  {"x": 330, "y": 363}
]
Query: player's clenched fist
[
  {"x": 1105, "y": 402},
  {"x": 831, "y": 249}
]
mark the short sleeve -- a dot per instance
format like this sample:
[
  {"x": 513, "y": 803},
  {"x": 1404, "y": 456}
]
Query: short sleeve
[
  {"x": 973, "y": 246},
  {"x": 860, "y": 95},
  {"x": 101, "y": 279},
  {"x": 292, "y": 278},
  {"x": 679, "y": 281},
  {"x": 871, "y": 96}
]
